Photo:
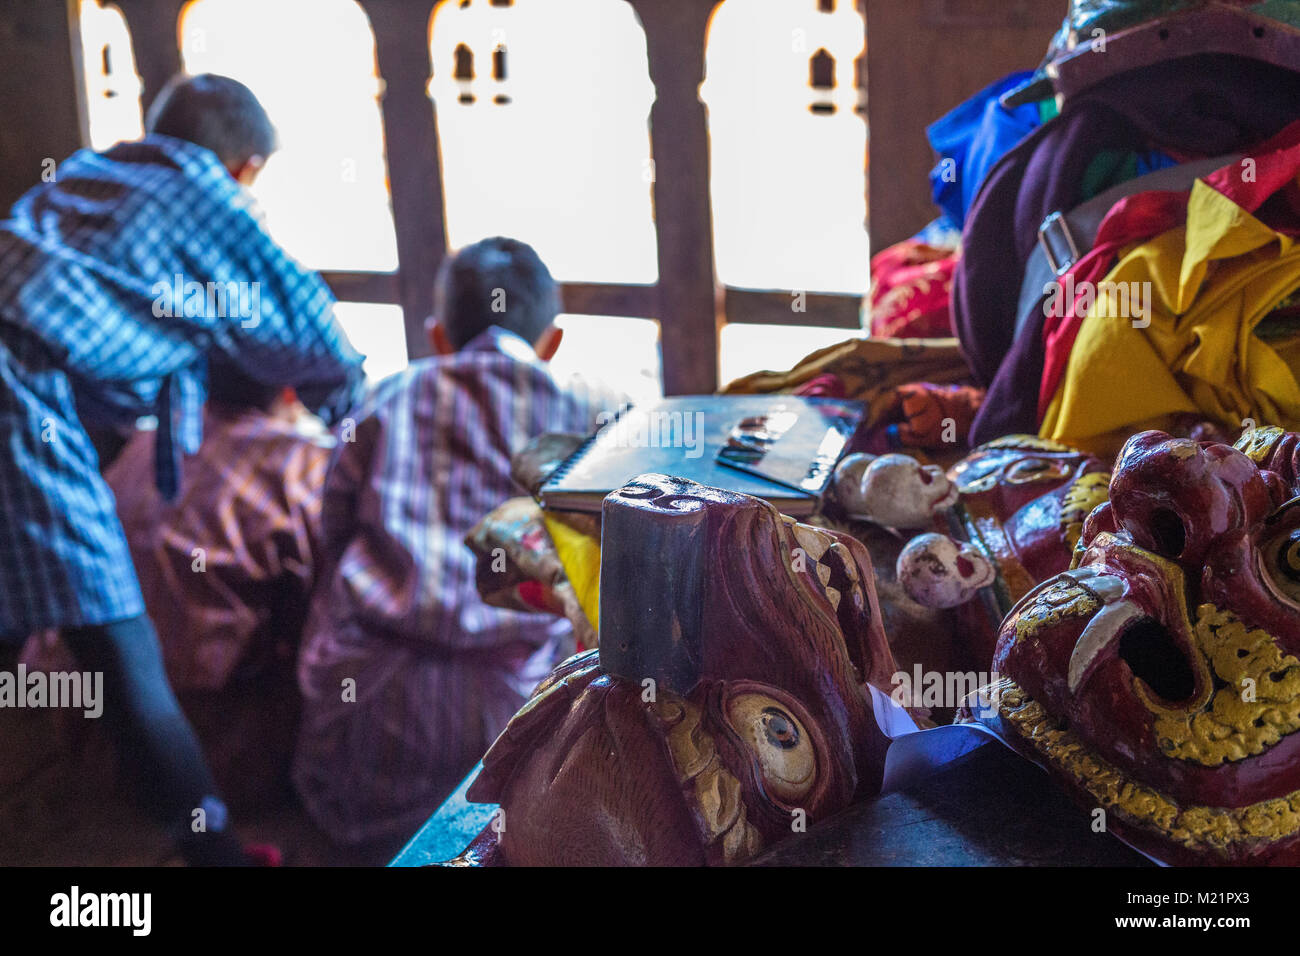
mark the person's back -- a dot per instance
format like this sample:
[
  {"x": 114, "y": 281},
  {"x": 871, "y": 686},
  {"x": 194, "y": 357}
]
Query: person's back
[
  {"x": 227, "y": 571},
  {"x": 407, "y": 675},
  {"x": 120, "y": 277}
]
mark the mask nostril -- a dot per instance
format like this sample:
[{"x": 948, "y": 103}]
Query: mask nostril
[
  {"x": 1169, "y": 532},
  {"x": 1156, "y": 659}
]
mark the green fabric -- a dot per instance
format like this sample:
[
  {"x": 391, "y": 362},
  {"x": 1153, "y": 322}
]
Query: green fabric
[{"x": 1108, "y": 168}]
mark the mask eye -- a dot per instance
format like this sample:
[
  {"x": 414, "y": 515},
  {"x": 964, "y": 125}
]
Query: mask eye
[
  {"x": 1281, "y": 562},
  {"x": 784, "y": 751},
  {"x": 1034, "y": 469}
]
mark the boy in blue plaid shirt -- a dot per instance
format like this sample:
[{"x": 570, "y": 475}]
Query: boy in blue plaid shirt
[{"x": 119, "y": 277}]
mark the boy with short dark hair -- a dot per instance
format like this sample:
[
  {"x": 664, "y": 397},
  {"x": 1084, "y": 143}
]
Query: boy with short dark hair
[{"x": 407, "y": 676}]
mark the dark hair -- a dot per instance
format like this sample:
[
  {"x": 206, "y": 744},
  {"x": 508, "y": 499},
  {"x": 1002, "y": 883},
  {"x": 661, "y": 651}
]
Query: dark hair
[
  {"x": 500, "y": 282},
  {"x": 227, "y": 385},
  {"x": 216, "y": 112}
]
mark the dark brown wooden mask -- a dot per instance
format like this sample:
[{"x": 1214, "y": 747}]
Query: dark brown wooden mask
[{"x": 726, "y": 708}]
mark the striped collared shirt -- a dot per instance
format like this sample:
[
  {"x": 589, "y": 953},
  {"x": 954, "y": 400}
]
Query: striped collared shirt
[{"x": 407, "y": 675}]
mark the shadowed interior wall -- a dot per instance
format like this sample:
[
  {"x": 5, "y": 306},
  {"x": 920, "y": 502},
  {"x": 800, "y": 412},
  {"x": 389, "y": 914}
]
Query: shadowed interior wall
[
  {"x": 39, "y": 88},
  {"x": 923, "y": 58}
]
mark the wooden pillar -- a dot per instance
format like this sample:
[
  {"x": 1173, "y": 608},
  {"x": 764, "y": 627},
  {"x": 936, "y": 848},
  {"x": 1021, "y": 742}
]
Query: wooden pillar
[
  {"x": 41, "y": 97},
  {"x": 689, "y": 297},
  {"x": 155, "y": 42},
  {"x": 401, "y": 29}
]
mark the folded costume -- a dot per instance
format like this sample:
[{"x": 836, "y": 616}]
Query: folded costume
[{"x": 1213, "y": 269}]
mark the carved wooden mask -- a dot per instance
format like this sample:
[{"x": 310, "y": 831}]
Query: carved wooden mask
[
  {"x": 726, "y": 707},
  {"x": 1161, "y": 676}
]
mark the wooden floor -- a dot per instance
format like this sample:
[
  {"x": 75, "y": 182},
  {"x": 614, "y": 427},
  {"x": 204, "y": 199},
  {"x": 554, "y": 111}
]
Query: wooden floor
[{"x": 60, "y": 806}]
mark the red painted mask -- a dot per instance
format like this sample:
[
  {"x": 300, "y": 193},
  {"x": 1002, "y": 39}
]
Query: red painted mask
[
  {"x": 1022, "y": 502},
  {"x": 1161, "y": 677}
]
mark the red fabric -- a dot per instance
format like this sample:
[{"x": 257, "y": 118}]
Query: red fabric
[
  {"x": 825, "y": 385},
  {"x": 911, "y": 290},
  {"x": 1142, "y": 216}
]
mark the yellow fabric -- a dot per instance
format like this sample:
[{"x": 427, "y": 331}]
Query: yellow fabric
[
  {"x": 580, "y": 555},
  {"x": 870, "y": 369},
  {"x": 1212, "y": 282}
]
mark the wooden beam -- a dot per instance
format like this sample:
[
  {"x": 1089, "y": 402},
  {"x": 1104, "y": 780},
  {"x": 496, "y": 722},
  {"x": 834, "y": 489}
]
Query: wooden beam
[
  {"x": 756, "y": 307},
  {"x": 689, "y": 297},
  {"x": 582, "y": 298},
  {"x": 155, "y": 42},
  {"x": 382, "y": 287},
  {"x": 591, "y": 298},
  {"x": 41, "y": 98},
  {"x": 401, "y": 29}
]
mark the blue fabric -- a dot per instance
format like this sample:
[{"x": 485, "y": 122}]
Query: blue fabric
[
  {"x": 970, "y": 139},
  {"x": 1153, "y": 160},
  {"x": 117, "y": 280}
]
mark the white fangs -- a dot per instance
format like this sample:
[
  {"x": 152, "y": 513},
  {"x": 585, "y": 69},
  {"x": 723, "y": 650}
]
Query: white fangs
[
  {"x": 1101, "y": 630},
  {"x": 1105, "y": 625},
  {"x": 814, "y": 543}
]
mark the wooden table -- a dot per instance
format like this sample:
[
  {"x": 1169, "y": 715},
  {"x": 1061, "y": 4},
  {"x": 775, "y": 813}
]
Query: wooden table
[{"x": 987, "y": 808}]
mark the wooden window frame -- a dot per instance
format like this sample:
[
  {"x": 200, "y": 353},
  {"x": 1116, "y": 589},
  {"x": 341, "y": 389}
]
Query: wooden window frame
[{"x": 687, "y": 300}]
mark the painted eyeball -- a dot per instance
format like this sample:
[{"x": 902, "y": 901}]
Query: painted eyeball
[
  {"x": 785, "y": 752},
  {"x": 1034, "y": 469},
  {"x": 1280, "y": 560}
]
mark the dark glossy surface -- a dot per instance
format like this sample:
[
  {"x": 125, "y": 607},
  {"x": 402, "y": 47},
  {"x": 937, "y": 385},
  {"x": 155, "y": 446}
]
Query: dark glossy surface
[{"x": 989, "y": 808}]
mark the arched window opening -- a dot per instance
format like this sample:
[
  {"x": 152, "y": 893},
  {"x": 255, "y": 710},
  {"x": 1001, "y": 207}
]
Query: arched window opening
[
  {"x": 500, "y": 74},
  {"x": 821, "y": 77},
  {"x": 108, "y": 68},
  {"x": 788, "y": 182},
  {"x": 325, "y": 191},
  {"x": 464, "y": 73},
  {"x": 567, "y": 167}
]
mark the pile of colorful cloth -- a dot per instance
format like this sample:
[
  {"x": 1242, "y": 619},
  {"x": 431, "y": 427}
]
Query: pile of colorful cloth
[{"x": 1175, "y": 305}]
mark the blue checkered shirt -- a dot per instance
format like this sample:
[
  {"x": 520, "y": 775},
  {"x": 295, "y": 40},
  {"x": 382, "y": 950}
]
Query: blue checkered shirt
[{"x": 117, "y": 280}]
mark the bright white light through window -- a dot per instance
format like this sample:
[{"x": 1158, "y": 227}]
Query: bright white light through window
[
  {"x": 620, "y": 353},
  {"x": 788, "y": 184},
  {"x": 555, "y": 152},
  {"x": 112, "y": 86},
  {"x": 312, "y": 64},
  {"x": 756, "y": 348},
  {"x": 564, "y": 165},
  {"x": 377, "y": 332}
]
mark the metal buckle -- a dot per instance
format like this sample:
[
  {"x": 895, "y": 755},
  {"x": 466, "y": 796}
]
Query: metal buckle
[{"x": 1057, "y": 222}]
